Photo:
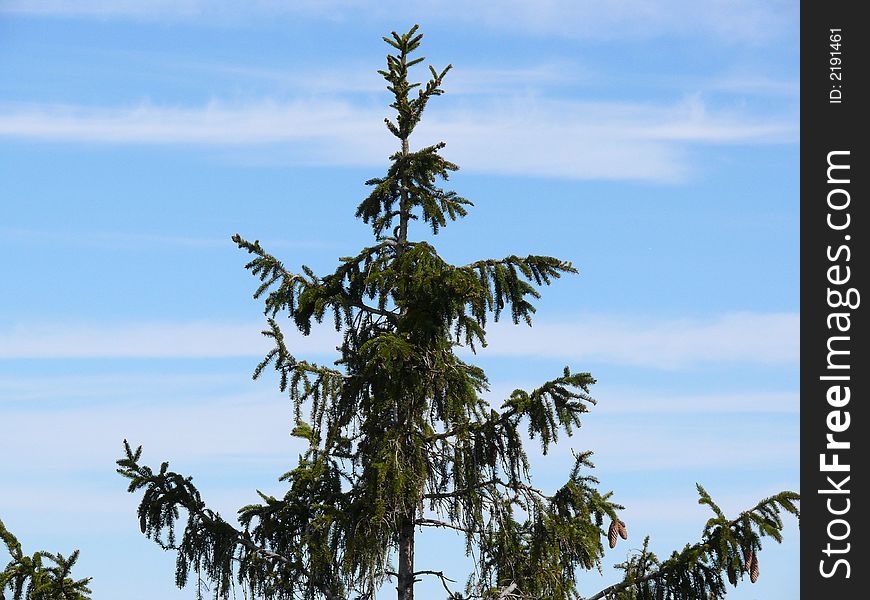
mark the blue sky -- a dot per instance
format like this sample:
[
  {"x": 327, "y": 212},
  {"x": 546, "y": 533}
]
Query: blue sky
[{"x": 654, "y": 144}]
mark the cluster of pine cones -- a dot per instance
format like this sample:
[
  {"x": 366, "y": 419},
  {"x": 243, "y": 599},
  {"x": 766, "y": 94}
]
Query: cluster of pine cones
[
  {"x": 616, "y": 528},
  {"x": 750, "y": 563}
]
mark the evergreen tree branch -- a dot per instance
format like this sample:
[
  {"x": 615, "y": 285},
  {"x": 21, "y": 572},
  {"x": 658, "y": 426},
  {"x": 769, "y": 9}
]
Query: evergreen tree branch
[
  {"x": 514, "y": 485},
  {"x": 42, "y": 576},
  {"x": 555, "y": 404},
  {"x": 461, "y": 492},
  {"x": 441, "y": 524},
  {"x": 727, "y": 545},
  {"x": 209, "y": 542}
]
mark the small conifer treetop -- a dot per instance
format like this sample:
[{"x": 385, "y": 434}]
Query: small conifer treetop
[
  {"x": 399, "y": 439},
  {"x": 41, "y": 576}
]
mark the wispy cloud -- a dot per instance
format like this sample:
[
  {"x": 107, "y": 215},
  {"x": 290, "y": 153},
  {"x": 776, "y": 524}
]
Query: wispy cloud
[
  {"x": 754, "y": 84},
  {"x": 21, "y": 391},
  {"x": 115, "y": 239},
  {"x": 360, "y": 78},
  {"x": 760, "y": 338},
  {"x": 216, "y": 429},
  {"x": 525, "y": 136},
  {"x": 748, "y": 401},
  {"x": 683, "y": 507},
  {"x": 171, "y": 9},
  {"x": 638, "y": 445},
  {"x": 213, "y": 426},
  {"x": 255, "y": 426},
  {"x": 734, "y": 20},
  {"x": 728, "y": 20},
  {"x": 215, "y": 123},
  {"x": 152, "y": 340},
  {"x": 619, "y": 401}
]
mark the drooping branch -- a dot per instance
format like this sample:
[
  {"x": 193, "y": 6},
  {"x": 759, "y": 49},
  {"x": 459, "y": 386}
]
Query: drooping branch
[
  {"x": 729, "y": 545},
  {"x": 513, "y": 485},
  {"x": 208, "y": 541},
  {"x": 441, "y": 524},
  {"x": 556, "y": 404},
  {"x": 41, "y": 575},
  {"x": 609, "y": 591}
]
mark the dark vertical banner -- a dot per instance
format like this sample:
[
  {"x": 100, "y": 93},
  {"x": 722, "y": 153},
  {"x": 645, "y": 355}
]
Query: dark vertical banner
[{"x": 835, "y": 371}]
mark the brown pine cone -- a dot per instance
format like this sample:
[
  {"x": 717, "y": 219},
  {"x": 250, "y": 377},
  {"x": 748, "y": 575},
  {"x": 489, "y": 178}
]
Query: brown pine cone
[
  {"x": 612, "y": 533},
  {"x": 142, "y": 522},
  {"x": 621, "y": 530},
  {"x": 732, "y": 576},
  {"x": 753, "y": 569},
  {"x": 747, "y": 558}
]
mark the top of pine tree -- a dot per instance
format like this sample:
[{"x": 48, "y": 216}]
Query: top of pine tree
[{"x": 399, "y": 439}]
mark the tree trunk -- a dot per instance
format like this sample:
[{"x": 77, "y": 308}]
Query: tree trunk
[
  {"x": 406, "y": 528},
  {"x": 406, "y": 560},
  {"x": 404, "y": 208}
]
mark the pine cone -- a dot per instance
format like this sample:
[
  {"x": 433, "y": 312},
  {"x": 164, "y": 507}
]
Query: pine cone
[
  {"x": 142, "y": 522},
  {"x": 747, "y": 558},
  {"x": 612, "y": 533},
  {"x": 753, "y": 569},
  {"x": 621, "y": 530},
  {"x": 732, "y": 576}
]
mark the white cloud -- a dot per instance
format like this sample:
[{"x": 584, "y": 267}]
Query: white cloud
[
  {"x": 683, "y": 506},
  {"x": 115, "y": 239},
  {"x": 525, "y": 136},
  {"x": 734, "y": 443},
  {"x": 733, "y": 21},
  {"x": 155, "y": 340},
  {"x": 360, "y": 77},
  {"x": 749, "y": 401},
  {"x": 221, "y": 432},
  {"x": 215, "y": 123},
  {"x": 749, "y": 84},
  {"x": 216, "y": 435},
  {"x": 233, "y": 428},
  {"x": 615, "y": 400},
  {"x": 760, "y": 338},
  {"x": 23, "y": 390}
]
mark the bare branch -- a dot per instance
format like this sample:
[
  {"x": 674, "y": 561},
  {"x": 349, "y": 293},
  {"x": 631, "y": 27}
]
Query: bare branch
[
  {"x": 440, "y": 575},
  {"x": 445, "y": 524}
]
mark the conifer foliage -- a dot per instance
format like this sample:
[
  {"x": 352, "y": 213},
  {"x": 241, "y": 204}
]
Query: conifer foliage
[
  {"x": 41, "y": 576},
  {"x": 399, "y": 439}
]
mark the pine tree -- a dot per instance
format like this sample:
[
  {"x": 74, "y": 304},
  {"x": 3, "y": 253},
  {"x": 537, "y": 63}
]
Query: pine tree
[
  {"x": 399, "y": 438},
  {"x": 42, "y": 576}
]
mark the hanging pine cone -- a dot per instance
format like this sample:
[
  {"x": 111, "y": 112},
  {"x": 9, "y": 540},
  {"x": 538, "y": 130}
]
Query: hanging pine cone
[
  {"x": 747, "y": 558},
  {"x": 753, "y": 569},
  {"x": 621, "y": 530},
  {"x": 612, "y": 533},
  {"x": 732, "y": 575},
  {"x": 142, "y": 522}
]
